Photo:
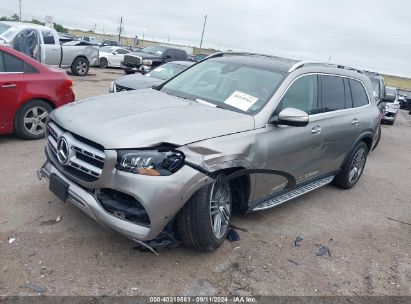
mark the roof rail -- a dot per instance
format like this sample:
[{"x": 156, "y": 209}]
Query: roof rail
[
  {"x": 329, "y": 64},
  {"x": 221, "y": 54}
]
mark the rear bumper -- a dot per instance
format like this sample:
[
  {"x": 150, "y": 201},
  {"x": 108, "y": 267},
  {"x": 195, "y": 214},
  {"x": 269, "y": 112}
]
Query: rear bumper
[{"x": 161, "y": 198}]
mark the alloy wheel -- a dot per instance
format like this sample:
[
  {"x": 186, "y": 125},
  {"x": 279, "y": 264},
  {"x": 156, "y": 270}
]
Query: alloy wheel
[
  {"x": 220, "y": 207},
  {"x": 81, "y": 67},
  {"x": 357, "y": 166},
  {"x": 35, "y": 120}
]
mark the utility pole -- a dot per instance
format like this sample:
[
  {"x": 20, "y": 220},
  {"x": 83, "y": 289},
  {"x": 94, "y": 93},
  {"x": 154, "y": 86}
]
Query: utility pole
[
  {"x": 202, "y": 34},
  {"x": 119, "y": 31},
  {"x": 20, "y": 10}
]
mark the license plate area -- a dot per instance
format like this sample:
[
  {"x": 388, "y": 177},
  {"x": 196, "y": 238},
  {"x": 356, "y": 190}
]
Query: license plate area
[{"x": 59, "y": 187}]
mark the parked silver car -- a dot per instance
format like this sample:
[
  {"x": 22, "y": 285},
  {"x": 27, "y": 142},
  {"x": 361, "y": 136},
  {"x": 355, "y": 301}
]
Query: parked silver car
[{"x": 233, "y": 133}]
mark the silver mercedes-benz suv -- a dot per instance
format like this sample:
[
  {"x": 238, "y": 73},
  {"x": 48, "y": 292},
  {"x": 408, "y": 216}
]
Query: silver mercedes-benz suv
[{"x": 234, "y": 133}]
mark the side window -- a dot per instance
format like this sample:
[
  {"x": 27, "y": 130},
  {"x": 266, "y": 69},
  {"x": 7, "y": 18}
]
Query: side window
[
  {"x": 302, "y": 95},
  {"x": 332, "y": 93},
  {"x": 10, "y": 64},
  {"x": 29, "y": 69},
  {"x": 2, "y": 68},
  {"x": 121, "y": 51},
  {"x": 359, "y": 96},
  {"x": 48, "y": 37}
]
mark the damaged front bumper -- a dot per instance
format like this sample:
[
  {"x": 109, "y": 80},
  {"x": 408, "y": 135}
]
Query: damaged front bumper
[{"x": 160, "y": 197}]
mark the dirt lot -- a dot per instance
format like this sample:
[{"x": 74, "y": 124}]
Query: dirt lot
[{"x": 370, "y": 253}]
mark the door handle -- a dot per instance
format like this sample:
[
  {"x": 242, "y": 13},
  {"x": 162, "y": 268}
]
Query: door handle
[
  {"x": 316, "y": 130},
  {"x": 8, "y": 86},
  {"x": 355, "y": 122}
]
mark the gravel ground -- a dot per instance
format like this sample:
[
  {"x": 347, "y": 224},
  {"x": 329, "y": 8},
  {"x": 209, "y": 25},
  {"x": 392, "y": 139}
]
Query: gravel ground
[{"x": 369, "y": 250}]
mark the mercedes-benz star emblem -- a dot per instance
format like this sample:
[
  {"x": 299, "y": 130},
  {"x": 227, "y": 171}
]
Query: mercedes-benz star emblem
[{"x": 62, "y": 150}]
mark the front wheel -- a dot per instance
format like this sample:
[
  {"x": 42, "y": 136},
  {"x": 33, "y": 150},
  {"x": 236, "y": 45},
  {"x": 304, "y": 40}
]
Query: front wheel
[
  {"x": 203, "y": 223},
  {"x": 80, "y": 66},
  {"x": 354, "y": 167}
]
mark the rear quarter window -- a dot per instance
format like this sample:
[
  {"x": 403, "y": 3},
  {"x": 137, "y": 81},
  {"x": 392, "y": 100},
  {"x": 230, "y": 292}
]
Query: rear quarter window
[
  {"x": 358, "y": 93},
  {"x": 10, "y": 64}
]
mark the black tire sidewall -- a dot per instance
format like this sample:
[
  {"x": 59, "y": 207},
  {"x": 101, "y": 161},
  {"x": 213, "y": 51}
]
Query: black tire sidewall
[{"x": 20, "y": 130}]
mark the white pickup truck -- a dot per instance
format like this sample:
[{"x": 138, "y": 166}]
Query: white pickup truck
[{"x": 43, "y": 44}]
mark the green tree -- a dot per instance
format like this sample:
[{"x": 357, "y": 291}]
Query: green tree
[
  {"x": 3, "y": 18},
  {"x": 59, "y": 28},
  {"x": 15, "y": 17},
  {"x": 35, "y": 21}
]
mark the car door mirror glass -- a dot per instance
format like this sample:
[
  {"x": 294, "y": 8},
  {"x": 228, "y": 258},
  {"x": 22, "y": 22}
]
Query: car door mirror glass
[{"x": 291, "y": 117}]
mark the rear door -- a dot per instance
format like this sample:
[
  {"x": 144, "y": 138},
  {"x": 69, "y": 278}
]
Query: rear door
[
  {"x": 52, "y": 47},
  {"x": 11, "y": 86},
  {"x": 341, "y": 122}
]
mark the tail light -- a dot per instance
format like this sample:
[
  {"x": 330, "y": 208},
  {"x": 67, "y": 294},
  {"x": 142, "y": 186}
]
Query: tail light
[{"x": 67, "y": 82}]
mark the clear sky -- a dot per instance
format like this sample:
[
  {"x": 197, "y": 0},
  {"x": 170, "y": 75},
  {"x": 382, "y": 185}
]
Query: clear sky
[{"x": 370, "y": 34}]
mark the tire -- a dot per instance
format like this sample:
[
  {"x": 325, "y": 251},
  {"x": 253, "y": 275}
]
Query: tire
[
  {"x": 80, "y": 66},
  {"x": 103, "y": 63},
  {"x": 378, "y": 138},
  {"x": 353, "y": 168},
  {"x": 30, "y": 120},
  {"x": 194, "y": 222}
]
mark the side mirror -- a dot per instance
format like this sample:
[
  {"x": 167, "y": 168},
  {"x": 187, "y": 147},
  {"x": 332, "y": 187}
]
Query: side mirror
[
  {"x": 167, "y": 57},
  {"x": 115, "y": 53},
  {"x": 291, "y": 117}
]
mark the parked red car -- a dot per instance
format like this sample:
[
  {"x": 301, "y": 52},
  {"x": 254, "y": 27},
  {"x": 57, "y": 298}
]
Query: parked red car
[{"x": 29, "y": 91}]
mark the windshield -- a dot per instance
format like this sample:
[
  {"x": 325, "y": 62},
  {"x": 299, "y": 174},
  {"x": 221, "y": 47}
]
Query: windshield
[
  {"x": 7, "y": 32},
  {"x": 155, "y": 50},
  {"x": 227, "y": 84},
  {"x": 166, "y": 71},
  {"x": 376, "y": 87}
]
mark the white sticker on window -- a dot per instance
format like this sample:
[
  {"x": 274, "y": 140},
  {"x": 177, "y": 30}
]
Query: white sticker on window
[{"x": 241, "y": 100}]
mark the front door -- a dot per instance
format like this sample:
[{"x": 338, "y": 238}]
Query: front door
[
  {"x": 52, "y": 48},
  {"x": 295, "y": 150}
]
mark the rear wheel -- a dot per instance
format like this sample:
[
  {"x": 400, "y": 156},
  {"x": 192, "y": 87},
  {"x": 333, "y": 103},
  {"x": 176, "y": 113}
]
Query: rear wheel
[
  {"x": 103, "y": 63},
  {"x": 31, "y": 119},
  {"x": 202, "y": 224},
  {"x": 80, "y": 66},
  {"x": 353, "y": 168}
]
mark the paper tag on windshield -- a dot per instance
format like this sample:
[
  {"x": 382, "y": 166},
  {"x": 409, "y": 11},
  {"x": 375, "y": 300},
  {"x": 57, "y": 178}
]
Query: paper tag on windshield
[{"x": 241, "y": 100}]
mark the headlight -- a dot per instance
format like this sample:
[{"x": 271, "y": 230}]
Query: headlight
[
  {"x": 149, "y": 162},
  {"x": 111, "y": 87},
  {"x": 147, "y": 62}
]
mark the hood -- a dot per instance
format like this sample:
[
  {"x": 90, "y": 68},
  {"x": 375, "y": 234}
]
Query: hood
[
  {"x": 143, "y": 55},
  {"x": 137, "y": 81},
  {"x": 147, "y": 118}
]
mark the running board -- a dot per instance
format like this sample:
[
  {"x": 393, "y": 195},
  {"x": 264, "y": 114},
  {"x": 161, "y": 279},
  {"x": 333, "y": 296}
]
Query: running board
[{"x": 282, "y": 198}]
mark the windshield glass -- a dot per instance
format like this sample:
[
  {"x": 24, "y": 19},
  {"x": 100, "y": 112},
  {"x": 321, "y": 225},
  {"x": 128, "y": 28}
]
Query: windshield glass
[
  {"x": 166, "y": 71},
  {"x": 227, "y": 84},
  {"x": 155, "y": 50},
  {"x": 7, "y": 32},
  {"x": 376, "y": 87}
]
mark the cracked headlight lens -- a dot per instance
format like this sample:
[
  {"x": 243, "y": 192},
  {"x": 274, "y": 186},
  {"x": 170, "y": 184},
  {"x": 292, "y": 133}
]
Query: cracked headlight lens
[{"x": 149, "y": 162}]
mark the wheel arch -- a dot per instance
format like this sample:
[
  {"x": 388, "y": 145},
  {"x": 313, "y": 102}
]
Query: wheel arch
[
  {"x": 367, "y": 138},
  {"x": 46, "y": 100}
]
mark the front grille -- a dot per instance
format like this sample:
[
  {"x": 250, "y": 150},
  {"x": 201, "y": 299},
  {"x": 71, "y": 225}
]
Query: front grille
[
  {"x": 120, "y": 88},
  {"x": 130, "y": 60},
  {"x": 85, "y": 159}
]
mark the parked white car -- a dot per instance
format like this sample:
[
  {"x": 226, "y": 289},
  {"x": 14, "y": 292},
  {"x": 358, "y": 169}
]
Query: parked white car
[
  {"x": 43, "y": 44},
  {"x": 112, "y": 56},
  {"x": 392, "y": 105}
]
